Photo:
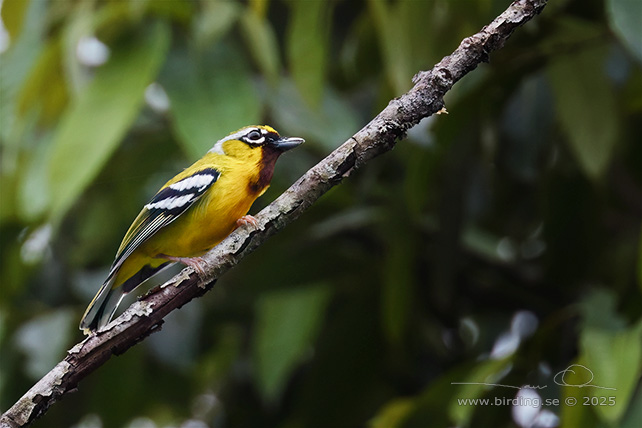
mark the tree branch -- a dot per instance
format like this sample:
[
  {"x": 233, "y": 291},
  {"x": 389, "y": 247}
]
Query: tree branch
[{"x": 146, "y": 316}]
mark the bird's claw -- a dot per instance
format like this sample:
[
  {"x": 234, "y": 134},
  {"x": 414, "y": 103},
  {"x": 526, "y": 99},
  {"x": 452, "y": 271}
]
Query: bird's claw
[
  {"x": 247, "y": 220},
  {"x": 196, "y": 263}
]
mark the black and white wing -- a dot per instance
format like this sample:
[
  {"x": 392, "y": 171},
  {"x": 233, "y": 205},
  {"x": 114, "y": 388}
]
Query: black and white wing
[{"x": 165, "y": 207}]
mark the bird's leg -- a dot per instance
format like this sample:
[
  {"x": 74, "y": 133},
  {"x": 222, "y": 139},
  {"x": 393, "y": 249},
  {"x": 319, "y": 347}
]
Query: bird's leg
[
  {"x": 196, "y": 263},
  {"x": 247, "y": 220}
]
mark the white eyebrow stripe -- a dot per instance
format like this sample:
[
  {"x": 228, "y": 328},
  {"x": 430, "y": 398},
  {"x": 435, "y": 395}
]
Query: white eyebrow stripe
[
  {"x": 218, "y": 148},
  {"x": 238, "y": 135},
  {"x": 198, "y": 180},
  {"x": 171, "y": 203}
]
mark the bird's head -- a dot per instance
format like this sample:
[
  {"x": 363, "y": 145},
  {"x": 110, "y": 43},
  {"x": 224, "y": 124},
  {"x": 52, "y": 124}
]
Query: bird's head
[{"x": 245, "y": 142}]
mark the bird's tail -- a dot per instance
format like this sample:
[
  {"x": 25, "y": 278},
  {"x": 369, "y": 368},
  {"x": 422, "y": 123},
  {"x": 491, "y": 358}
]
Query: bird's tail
[{"x": 102, "y": 307}]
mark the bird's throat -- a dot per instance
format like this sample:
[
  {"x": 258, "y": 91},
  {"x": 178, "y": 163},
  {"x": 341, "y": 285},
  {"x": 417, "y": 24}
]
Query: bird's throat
[{"x": 266, "y": 169}]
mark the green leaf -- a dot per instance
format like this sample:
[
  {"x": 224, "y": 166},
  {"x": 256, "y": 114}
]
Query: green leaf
[
  {"x": 394, "y": 43},
  {"x": 397, "y": 287},
  {"x": 625, "y": 17},
  {"x": 13, "y": 16},
  {"x": 33, "y": 188},
  {"x": 489, "y": 371},
  {"x": 570, "y": 31},
  {"x": 286, "y": 324},
  {"x": 262, "y": 43},
  {"x": 45, "y": 90},
  {"x": 43, "y": 340},
  {"x": 259, "y": 7},
  {"x": 614, "y": 359},
  {"x": 481, "y": 242},
  {"x": 439, "y": 403},
  {"x": 214, "y": 21},
  {"x": 639, "y": 275},
  {"x": 572, "y": 416},
  {"x": 80, "y": 23},
  {"x": 211, "y": 94},
  {"x": 95, "y": 123},
  {"x": 586, "y": 108},
  {"x": 334, "y": 123},
  {"x": 393, "y": 413},
  {"x": 421, "y": 25},
  {"x": 178, "y": 11},
  {"x": 16, "y": 65},
  {"x": 599, "y": 311},
  {"x": 307, "y": 47},
  {"x": 611, "y": 351},
  {"x": 633, "y": 418}
]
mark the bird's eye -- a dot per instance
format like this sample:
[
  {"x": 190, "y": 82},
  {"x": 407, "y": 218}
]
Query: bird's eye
[{"x": 254, "y": 136}]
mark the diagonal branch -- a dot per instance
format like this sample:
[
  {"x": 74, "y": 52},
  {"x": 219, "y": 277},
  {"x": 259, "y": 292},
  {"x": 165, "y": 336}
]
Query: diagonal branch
[{"x": 377, "y": 137}]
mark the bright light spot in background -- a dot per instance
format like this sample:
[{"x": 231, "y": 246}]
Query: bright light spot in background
[
  {"x": 194, "y": 423},
  {"x": 157, "y": 98},
  {"x": 447, "y": 338},
  {"x": 546, "y": 419},
  {"x": 469, "y": 331},
  {"x": 506, "y": 249},
  {"x": 421, "y": 133},
  {"x": 89, "y": 421},
  {"x": 36, "y": 245},
  {"x": 142, "y": 422},
  {"x": 505, "y": 345},
  {"x": 91, "y": 51},
  {"x": 544, "y": 369},
  {"x": 204, "y": 404},
  {"x": 4, "y": 34},
  {"x": 522, "y": 326},
  {"x": 528, "y": 402},
  {"x": 527, "y": 411},
  {"x": 496, "y": 377},
  {"x": 43, "y": 339}
]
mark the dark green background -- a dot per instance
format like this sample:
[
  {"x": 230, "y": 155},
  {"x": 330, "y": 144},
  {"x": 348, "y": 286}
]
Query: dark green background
[{"x": 521, "y": 207}]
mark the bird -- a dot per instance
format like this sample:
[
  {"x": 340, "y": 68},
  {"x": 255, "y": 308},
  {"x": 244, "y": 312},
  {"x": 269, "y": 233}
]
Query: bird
[{"x": 191, "y": 214}]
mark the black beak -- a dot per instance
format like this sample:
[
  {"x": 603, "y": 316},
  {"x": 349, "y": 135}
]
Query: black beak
[{"x": 286, "y": 143}]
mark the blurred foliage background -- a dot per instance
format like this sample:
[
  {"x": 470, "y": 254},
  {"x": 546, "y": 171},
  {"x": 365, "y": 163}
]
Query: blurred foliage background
[{"x": 497, "y": 244}]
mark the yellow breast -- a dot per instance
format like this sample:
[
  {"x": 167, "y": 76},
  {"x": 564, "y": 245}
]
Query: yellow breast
[{"x": 214, "y": 216}]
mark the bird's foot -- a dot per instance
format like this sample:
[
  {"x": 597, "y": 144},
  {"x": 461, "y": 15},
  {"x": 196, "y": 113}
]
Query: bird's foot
[
  {"x": 196, "y": 263},
  {"x": 247, "y": 220}
]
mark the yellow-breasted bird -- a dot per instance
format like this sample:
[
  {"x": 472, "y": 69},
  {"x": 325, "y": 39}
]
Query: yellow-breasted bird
[{"x": 191, "y": 213}]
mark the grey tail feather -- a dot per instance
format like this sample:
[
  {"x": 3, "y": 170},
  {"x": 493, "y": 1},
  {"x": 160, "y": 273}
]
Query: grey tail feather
[{"x": 102, "y": 307}]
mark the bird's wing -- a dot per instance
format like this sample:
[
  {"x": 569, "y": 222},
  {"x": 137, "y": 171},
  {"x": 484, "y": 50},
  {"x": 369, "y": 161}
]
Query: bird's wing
[{"x": 165, "y": 207}]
